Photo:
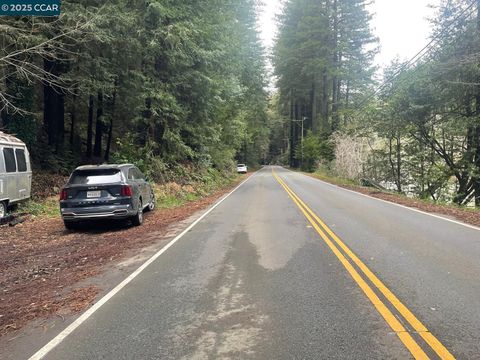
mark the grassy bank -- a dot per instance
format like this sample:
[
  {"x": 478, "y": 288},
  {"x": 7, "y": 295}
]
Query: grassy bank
[
  {"x": 174, "y": 194},
  {"x": 464, "y": 214},
  {"x": 327, "y": 176}
]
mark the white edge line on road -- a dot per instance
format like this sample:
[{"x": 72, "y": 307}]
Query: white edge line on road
[
  {"x": 67, "y": 331},
  {"x": 390, "y": 202}
]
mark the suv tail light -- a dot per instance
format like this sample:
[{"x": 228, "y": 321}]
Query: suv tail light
[
  {"x": 126, "y": 191},
  {"x": 63, "y": 195}
]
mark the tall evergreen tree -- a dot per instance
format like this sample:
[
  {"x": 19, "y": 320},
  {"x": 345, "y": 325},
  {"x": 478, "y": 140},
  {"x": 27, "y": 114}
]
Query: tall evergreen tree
[{"x": 323, "y": 56}]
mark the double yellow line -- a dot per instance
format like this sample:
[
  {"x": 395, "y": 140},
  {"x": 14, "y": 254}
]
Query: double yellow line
[{"x": 347, "y": 258}]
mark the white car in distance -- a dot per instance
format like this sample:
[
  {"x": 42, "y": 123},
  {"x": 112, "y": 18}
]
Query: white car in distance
[{"x": 241, "y": 168}]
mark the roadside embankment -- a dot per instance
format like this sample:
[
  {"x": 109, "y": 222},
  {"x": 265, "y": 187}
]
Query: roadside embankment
[{"x": 466, "y": 215}]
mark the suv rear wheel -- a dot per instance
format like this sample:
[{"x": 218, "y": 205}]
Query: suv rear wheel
[
  {"x": 138, "y": 218},
  {"x": 151, "y": 204}
]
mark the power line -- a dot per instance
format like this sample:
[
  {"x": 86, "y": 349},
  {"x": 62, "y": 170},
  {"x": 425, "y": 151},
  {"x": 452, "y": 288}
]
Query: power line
[{"x": 419, "y": 55}]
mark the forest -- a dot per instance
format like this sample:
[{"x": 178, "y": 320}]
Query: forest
[
  {"x": 179, "y": 85},
  {"x": 168, "y": 85},
  {"x": 415, "y": 129}
]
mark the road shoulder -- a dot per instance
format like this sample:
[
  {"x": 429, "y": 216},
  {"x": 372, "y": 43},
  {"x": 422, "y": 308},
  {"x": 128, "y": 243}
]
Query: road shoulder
[
  {"x": 48, "y": 280},
  {"x": 464, "y": 216}
]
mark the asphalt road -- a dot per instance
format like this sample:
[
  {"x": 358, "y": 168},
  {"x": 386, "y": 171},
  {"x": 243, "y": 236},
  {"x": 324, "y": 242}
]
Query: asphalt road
[{"x": 289, "y": 267}]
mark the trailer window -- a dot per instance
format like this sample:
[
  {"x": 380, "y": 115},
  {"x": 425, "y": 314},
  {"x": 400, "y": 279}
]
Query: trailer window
[
  {"x": 21, "y": 160},
  {"x": 9, "y": 156}
]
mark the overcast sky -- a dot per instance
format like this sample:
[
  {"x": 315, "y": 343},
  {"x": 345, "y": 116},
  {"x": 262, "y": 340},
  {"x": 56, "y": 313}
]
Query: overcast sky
[{"x": 401, "y": 25}]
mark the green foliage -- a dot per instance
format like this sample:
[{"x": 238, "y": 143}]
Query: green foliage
[
  {"x": 158, "y": 83},
  {"x": 327, "y": 151},
  {"x": 308, "y": 152},
  {"x": 325, "y": 173},
  {"x": 323, "y": 61},
  {"x": 44, "y": 157},
  {"x": 425, "y": 125},
  {"x": 41, "y": 207},
  {"x": 143, "y": 157},
  {"x": 204, "y": 183},
  {"x": 20, "y": 124}
]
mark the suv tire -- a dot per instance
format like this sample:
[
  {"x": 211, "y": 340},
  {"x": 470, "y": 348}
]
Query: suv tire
[
  {"x": 137, "y": 219},
  {"x": 151, "y": 204}
]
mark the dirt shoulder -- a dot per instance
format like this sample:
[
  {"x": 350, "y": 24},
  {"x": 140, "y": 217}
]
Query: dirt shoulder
[
  {"x": 42, "y": 265},
  {"x": 467, "y": 216}
]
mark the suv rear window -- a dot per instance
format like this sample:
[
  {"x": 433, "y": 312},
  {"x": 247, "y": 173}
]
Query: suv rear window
[{"x": 104, "y": 176}]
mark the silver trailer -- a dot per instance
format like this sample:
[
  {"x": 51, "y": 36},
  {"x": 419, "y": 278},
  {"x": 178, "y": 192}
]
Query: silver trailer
[{"x": 15, "y": 172}]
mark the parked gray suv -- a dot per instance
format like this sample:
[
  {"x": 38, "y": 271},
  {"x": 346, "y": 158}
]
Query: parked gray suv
[{"x": 105, "y": 192}]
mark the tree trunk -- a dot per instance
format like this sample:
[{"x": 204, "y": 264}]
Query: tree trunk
[
  {"x": 148, "y": 131},
  {"x": 112, "y": 117},
  {"x": 73, "y": 118},
  {"x": 399, "y": 163},
  {"x": 72, "y": 126},
  {"x": 347, "y": 101},
  {"x": 54, "y": 108},
  {"x": 423, "y": 193},
  {"x": 313, "y": 100},
  {"x": 334, "y": 104},
  {"x": 296, "y": 133},
  {"x": 476, "y": 130},
  {"x": 325, "y": 126},
  {"x": 335, "y": 81},
  {"x": 462, "y": 191},
  {"x": 476, "y": 178},
  {"x": 3, "y": 113},
  {"x": 97, "y": 149},
  {"x": 395, "y": 165},
  {"x": 90, "y": 126},
  {"x": 292, "y": 129},
  {"x": 390, "y": 156}
]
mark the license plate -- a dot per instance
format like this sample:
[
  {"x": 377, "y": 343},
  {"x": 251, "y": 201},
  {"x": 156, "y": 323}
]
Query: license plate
[{"x": 94, "y": 194}]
